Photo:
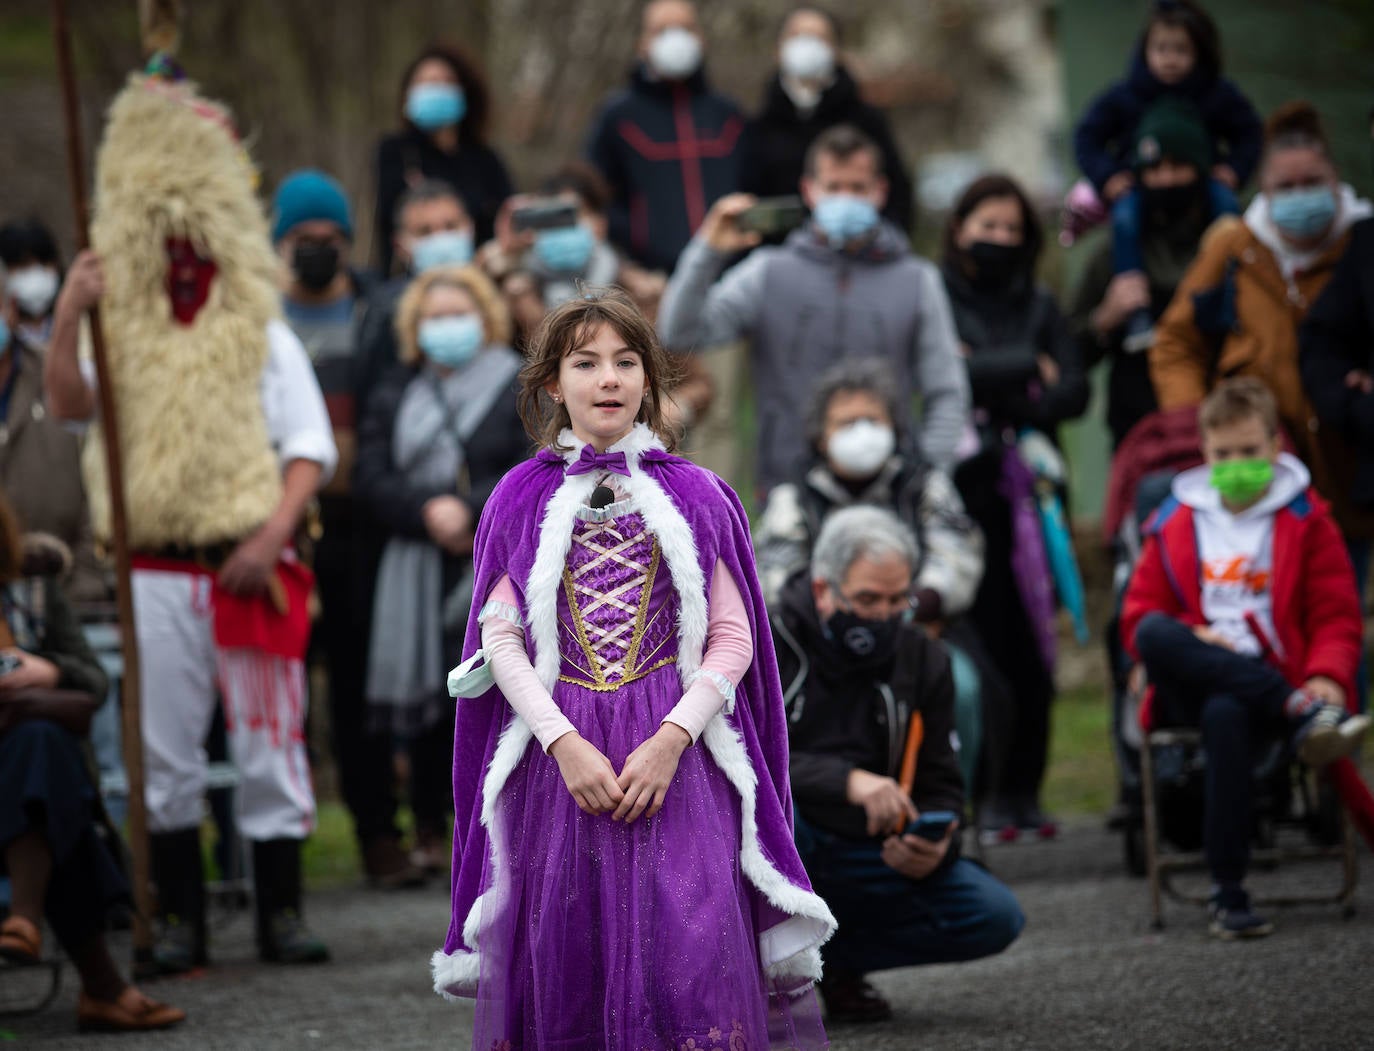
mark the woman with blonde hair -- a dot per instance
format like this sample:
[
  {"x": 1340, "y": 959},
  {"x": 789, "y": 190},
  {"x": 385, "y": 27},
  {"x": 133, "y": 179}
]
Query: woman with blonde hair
[{"x": 437, "y": 436}]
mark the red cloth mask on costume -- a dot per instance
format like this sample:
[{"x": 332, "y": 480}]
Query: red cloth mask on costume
[{"x": 188, "y": 279}]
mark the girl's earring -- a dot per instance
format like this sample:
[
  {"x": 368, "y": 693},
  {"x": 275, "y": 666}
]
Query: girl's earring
[{"x": 558, "y": 399}]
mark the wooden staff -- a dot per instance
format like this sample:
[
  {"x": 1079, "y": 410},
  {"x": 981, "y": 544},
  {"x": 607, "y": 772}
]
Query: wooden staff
[{"x": 129, "y": 690}]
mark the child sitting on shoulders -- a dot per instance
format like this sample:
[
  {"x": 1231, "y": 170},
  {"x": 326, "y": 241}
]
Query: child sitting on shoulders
[{"x": 1178, "y": 59}]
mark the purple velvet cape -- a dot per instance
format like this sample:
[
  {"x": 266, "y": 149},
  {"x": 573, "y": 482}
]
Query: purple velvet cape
[{"x": 506, "y": 543}]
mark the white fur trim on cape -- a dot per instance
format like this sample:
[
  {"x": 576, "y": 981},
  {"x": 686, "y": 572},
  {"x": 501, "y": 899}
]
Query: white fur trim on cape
[
  {"x": 792, "y": 948},
  {"x": 790, "y": 951},
  {"x": 455, "y": 974}
]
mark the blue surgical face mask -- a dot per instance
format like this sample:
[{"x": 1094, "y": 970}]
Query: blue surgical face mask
[
  {"x": 843, "y": 218},
  {"x": 451, "y": 341},
  {"x": 566, "y": 249},
  {"x": 1305, "y": 213},
  {"x": 442, "y": 249},
  {"x": 434, "y": 106}
]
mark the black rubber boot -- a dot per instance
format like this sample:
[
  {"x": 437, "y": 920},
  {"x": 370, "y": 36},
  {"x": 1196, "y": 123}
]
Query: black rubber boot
[
  {"x": 180, "y": 944},
  {"x": 283, "y": 936}
]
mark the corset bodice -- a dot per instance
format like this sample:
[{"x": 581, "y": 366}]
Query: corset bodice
[{"x": 617, "y": 609}]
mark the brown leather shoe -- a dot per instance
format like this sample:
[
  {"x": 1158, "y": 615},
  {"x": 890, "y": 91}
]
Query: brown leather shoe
[
  {"x": 131, "y": 1013},
  {"x": 20, "y": 941},
  {"x": 848, "y": 998}
]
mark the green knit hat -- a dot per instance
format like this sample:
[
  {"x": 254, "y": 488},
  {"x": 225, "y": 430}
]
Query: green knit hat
[{"x": 1172, "y": 128}]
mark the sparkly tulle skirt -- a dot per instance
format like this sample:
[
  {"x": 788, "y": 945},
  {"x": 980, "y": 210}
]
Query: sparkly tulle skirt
[{"x": 603, "y": 936}]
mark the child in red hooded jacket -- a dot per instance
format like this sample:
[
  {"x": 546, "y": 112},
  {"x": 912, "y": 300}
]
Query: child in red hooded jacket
[{"x": 1244, "y": 612}]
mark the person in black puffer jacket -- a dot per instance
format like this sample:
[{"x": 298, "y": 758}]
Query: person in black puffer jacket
[
  {"x": 812, "y": 91},
  {"x": 1026, "y": 375}
]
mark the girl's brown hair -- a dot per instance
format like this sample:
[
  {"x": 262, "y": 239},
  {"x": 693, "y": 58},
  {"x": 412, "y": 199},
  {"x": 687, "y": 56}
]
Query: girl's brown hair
[{"x": 571, "y": 325}]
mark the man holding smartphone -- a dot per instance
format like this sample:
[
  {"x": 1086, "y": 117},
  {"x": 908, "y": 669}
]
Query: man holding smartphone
[
  {"x": 863, "y": 686},
  {"x": 843, "y": 286}
]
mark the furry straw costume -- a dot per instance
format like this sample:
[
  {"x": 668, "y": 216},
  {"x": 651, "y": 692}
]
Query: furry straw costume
[{"x": 198, "y": 463}]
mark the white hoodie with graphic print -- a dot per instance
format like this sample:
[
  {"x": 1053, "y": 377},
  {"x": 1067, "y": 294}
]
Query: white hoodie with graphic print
[{"x": 1236, "y": 551}]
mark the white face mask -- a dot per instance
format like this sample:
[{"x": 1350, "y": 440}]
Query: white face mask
[
  {"x": 675, "y": 54},
  {"x": 859, "y": 449},
  {"x": 33, "y": 289},
  {"x": 807, "y": 57}
]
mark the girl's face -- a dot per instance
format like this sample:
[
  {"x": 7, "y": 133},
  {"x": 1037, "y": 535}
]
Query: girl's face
[
  {"x": 1169, "y": 52},
  {"x": 997, "y": 220},
  {"x": 603, "y": 384}
]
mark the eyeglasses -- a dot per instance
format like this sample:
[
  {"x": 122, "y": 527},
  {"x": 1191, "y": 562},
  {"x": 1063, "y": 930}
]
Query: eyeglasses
[{"x": 874, "y": 605}]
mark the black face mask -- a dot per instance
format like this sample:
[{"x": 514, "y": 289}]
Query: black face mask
[
  {"x": 1165, "y": 205},
  {"x": 865, "y": 640},
  {"x": 994, "y": 264},
  {"x": 316, "y": 263}
]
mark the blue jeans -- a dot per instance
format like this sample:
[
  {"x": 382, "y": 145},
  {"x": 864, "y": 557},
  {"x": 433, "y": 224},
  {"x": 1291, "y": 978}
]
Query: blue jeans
[
  {"x": 960, "y": 912},
  {"x": 1128, "y": 214},
  {"x": 1237, "y": 702}
]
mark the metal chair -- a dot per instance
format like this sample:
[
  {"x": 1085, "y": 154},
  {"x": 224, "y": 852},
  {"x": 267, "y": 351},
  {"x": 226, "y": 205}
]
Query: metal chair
[{"x": 1272, "y": 821}]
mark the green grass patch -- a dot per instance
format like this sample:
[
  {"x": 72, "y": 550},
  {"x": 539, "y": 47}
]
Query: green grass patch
[
  {"x": 331, "y": 856},
  {"x": 1081, "y": 779}
]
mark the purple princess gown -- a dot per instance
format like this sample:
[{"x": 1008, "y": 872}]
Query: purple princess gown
[{"x": 637, "y": 937}]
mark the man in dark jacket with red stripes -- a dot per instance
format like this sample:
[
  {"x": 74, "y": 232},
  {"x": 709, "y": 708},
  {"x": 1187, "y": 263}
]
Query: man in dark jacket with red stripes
[
  {"x": 857, "y": 676},
  {"x": 667, "y": 144}
]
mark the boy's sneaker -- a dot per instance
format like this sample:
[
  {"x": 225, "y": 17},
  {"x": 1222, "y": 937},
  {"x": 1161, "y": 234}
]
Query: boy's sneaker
[
  {"x": 1233, "y": 918},
  {"x": 1328, "y": 733}
]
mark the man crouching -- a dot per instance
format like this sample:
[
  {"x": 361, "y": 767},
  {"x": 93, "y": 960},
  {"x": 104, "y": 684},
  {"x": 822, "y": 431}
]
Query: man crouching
[{"x": 862, "y": 683}]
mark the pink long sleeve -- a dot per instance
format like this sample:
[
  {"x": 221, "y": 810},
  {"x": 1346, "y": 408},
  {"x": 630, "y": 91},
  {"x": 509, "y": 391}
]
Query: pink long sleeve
[
  {"x": 729, "y": 652},
  {"x": 503, "y": 638}
]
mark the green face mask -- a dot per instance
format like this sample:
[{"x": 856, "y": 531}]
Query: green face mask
[{"x": 1241, "y": 481}]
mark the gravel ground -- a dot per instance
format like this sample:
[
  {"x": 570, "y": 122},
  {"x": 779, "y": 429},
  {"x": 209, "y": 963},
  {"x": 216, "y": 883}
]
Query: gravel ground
[{"x": 1087, "y": 973}]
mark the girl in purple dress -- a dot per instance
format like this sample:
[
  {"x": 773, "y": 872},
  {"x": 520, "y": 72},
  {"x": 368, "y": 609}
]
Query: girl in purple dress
[{"x": 624, "y": 872}]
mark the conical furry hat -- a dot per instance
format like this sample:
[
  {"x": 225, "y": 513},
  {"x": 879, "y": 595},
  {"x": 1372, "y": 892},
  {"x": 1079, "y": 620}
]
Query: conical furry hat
[{"x": 199, "y": 465}]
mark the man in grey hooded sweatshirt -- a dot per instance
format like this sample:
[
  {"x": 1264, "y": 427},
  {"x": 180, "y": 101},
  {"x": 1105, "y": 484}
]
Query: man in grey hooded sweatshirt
[{"x": 843, "y": 285}]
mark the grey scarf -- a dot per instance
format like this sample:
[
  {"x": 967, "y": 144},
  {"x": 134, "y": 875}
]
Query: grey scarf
[{"x": 406, "y": 669}]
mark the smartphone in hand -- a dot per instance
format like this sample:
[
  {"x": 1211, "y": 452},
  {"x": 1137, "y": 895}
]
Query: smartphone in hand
[
  {"x": 932, "y": 824},
  {"x": 772, "y": 216}
]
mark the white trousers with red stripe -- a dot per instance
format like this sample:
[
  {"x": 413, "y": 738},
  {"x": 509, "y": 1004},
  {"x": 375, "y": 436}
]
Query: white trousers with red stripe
[{"x": 183, "y": 673}]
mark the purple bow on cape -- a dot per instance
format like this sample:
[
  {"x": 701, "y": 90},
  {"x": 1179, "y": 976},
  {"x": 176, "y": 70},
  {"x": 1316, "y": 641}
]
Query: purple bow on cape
[{"x": 590, "y": 460}]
